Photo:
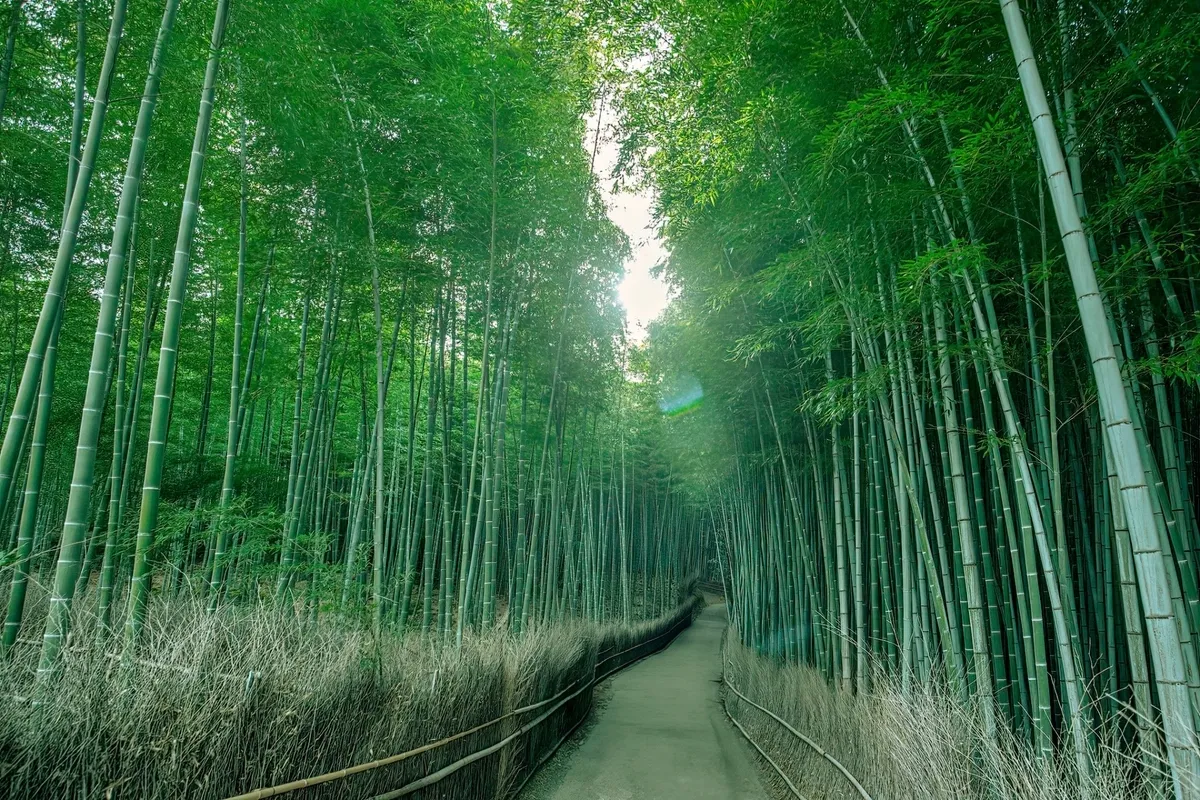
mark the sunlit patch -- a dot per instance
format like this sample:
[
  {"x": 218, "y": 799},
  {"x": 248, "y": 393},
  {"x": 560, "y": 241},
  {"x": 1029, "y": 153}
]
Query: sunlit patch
[{"x": 683, "y": 396}]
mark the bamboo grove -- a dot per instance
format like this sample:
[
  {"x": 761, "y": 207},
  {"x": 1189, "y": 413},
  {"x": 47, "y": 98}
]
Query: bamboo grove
[
  {"x": 937, "y": 278},
  {"x": 377, "y": 224}
]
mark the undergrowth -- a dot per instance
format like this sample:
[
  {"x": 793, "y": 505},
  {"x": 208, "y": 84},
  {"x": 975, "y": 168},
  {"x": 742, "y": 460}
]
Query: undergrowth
[
  {"x": 217, "y": 704},
  {"x": 923, "y": 744}
]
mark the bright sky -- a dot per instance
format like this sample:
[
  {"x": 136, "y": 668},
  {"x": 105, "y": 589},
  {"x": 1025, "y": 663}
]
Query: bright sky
[{"x": 643, "y": 295}]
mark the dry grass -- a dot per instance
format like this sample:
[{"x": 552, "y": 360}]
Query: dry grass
[
  {"x": 924, "y": 746},
  {"x": 217, "y": 704}
]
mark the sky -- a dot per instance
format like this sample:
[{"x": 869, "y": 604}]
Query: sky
[{"x": 643, "y": 296}]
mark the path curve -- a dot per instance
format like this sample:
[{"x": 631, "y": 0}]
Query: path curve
[{"x": 662, "y": 733}]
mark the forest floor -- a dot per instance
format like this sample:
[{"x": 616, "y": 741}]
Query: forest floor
[{"x": 660, "y": 732}]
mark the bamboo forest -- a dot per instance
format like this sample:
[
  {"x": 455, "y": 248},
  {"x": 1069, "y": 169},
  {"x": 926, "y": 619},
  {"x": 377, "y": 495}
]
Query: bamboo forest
[{"x": 600, "y": 399}]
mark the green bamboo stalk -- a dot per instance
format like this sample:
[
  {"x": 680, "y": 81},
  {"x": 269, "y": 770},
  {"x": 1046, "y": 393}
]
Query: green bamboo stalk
[
  {"x": 30, "y": 377},
  {"x": 109, "y": 564},
  {"x": 233, "y": 434},
  {"x": 167, "y": 359},
  {"x": 10, "y": 43},
  {"x": 79, "y": 498},
  {"x": 34, "y": 473},
  {"x": 428, "y": 564},
  {"x": 1161, "y": 625},
  {"x": 979, "y": 631}
]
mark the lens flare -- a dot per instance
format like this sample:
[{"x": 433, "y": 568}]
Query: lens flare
[{"x": 683, "y": 397}]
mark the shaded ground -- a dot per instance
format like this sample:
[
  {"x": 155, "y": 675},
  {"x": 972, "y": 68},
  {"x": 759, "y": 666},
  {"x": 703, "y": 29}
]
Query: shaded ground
[{"x": 660, "y": 732}]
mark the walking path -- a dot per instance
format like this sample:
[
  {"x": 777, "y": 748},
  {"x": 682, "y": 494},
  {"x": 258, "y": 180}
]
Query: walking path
[{"x": 662, "y": 734}]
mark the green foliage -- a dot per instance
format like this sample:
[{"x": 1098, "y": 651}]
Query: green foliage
[{"x": 871, "y": 290}]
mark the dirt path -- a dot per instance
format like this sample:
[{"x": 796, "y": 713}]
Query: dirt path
[{"x": 661, "y": 734}]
